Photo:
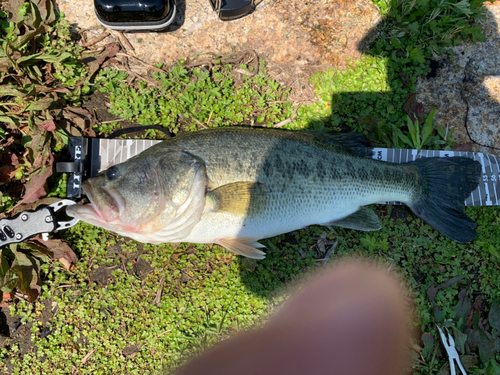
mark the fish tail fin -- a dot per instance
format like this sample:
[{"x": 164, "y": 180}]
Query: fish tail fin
[{"x": 445, "y": 184}]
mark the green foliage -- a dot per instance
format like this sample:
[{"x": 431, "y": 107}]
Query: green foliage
[
  {"x": 36, "y": 53},
  {"x": 370, "y": 98},
  {"x": 41, "y": 80},
  {"x": 420, "y": 136},
  {"x": 204, "y": 297},
  {"x": 415, "y": 30},
  {"x": 197, "y": 98}
]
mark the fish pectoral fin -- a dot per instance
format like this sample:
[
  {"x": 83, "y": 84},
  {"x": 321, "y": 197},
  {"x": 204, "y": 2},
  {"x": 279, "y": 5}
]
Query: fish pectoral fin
[
  {"x": 363, "y": 219},
  {"x": 243, "y": 246},
  {"x": 236, "y": 197}
]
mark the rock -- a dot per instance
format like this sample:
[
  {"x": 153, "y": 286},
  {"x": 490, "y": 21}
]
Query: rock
[{"x": 472, "y": 76}]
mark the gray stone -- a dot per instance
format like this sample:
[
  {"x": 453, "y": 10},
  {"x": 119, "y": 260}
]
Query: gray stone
[{"x": 471, "y": 76}]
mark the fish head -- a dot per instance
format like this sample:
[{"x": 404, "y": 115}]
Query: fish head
[{"x": 146, "y": 195}]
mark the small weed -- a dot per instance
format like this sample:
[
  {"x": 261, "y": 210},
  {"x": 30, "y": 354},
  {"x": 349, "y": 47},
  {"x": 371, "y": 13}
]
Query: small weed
[
  {"x": 196, "y": 98},
  {"x": 420, "y": 136}
]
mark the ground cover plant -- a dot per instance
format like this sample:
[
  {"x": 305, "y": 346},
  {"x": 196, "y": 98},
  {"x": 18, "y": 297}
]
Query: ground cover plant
[{"x": 125, "y": 307}]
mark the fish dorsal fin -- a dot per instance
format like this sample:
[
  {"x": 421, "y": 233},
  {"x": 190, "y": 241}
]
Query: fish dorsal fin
[
  {"x": 363, "y": 219},
  {"x": 237, "y": 197},
  {"x": 352, "y": 143},
  {"x": 243, "y": 246}
]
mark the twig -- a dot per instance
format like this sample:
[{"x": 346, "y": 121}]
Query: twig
[
  {"x": 124, "y": 41},
  {"x": 89, "y": 354},
  {"x": 163, "y": 333},
  {"x": 138, "y": 76},
  {"x": 288, "y": 120},
  {"x": 187, "y": 110},
  {"x": 247, "y": 73},
  {"x": 21, "y": 296},
  {"x": 209, "y": 117},
  {"x": 157, "y": 299},
  {"x": 140, "y": 61},
  {"x": 329, "y": 253},
  {"x": 124, "y": 268},
  {"x": 110, "y": 121},
  {"x": 96, "y": 39}
]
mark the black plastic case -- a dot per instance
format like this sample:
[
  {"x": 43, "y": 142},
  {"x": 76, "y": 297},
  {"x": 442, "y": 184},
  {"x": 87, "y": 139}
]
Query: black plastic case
[
  {"x": 232, "y": 9},
  {"x": 135, "y": 15}
]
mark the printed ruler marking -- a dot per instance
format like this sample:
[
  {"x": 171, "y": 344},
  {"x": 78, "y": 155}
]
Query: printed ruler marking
[{"x": 487, "y": 193}]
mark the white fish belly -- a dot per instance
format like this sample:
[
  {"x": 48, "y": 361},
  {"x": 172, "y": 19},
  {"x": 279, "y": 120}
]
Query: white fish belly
[{"x": 285, "y": 215}]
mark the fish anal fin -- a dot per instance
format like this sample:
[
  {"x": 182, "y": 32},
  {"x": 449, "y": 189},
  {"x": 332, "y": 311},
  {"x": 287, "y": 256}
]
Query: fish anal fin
[
  {"x": 238, "y": 197},
  {"x": 246, "y": 247},
  {"x": 363, "y": 219}
]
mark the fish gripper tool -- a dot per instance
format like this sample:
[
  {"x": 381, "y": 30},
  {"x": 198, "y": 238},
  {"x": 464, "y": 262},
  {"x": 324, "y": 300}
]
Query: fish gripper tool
[{"x": 32, "y": 222}]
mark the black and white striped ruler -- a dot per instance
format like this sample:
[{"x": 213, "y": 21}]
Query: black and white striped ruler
[{"x": 488, "y": 191}]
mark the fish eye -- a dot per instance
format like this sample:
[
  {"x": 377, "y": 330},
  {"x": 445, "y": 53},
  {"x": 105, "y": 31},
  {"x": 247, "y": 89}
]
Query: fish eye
[{"x": 112, "y": 173}]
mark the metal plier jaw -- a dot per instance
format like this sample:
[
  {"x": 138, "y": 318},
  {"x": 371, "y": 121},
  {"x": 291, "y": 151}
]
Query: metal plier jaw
[
  {"x": 449, "y": 345},
  {"x": 30, "y": 223}
]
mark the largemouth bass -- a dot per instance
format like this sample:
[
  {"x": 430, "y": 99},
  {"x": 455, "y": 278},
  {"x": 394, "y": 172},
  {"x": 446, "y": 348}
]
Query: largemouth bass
[{"x": 236, "y": 186}]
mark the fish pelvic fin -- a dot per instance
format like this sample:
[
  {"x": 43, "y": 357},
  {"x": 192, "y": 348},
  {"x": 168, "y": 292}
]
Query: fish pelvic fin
[
  {"x": 363, "y": 219},
  {"x": 246, "y": 247},
  {"x": 445, "y": 184}
]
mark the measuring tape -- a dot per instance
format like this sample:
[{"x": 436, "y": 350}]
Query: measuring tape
[
  {"x": 486, "y": 194},
  {"x": 94, "y": 155}
]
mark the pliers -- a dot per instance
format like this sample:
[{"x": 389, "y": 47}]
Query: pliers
[{"x": 449, "y": 345}]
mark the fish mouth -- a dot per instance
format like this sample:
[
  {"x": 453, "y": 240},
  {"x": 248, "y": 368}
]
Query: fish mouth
[{"x": 105, "y": 203}]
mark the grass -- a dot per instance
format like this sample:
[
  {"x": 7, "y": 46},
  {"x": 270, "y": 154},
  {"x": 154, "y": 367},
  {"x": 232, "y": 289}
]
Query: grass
[
  {"x": 197, "y": 98},
  {"x": 132, "y": 308}
]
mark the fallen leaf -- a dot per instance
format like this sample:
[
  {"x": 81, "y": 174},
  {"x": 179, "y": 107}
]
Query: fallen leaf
[
  {"x": 14, "y": 159},
  {"x": 431, "y": 294},
  {"x": 56, "y": 248},
  {"x": 27, "y": 269},
  {"x": 463, "y": 307},
  {"x": 463, "y": 147},
  {"x": 472, "y": 338},
  {"x": 450, "y": 282},
  {"x": 6, "y": 173},
  {"x": 66, "y": 263},
  {"x": 47, "y": 125},
  {"x": 414, "y": 108},
  {"x": 486, "y": 347},
  {"x": 460, "y": 339},
  {"x": 35, "y": 188},
  {"x": 7, "y": 297},
  {"x": 111, "y": 50}
]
